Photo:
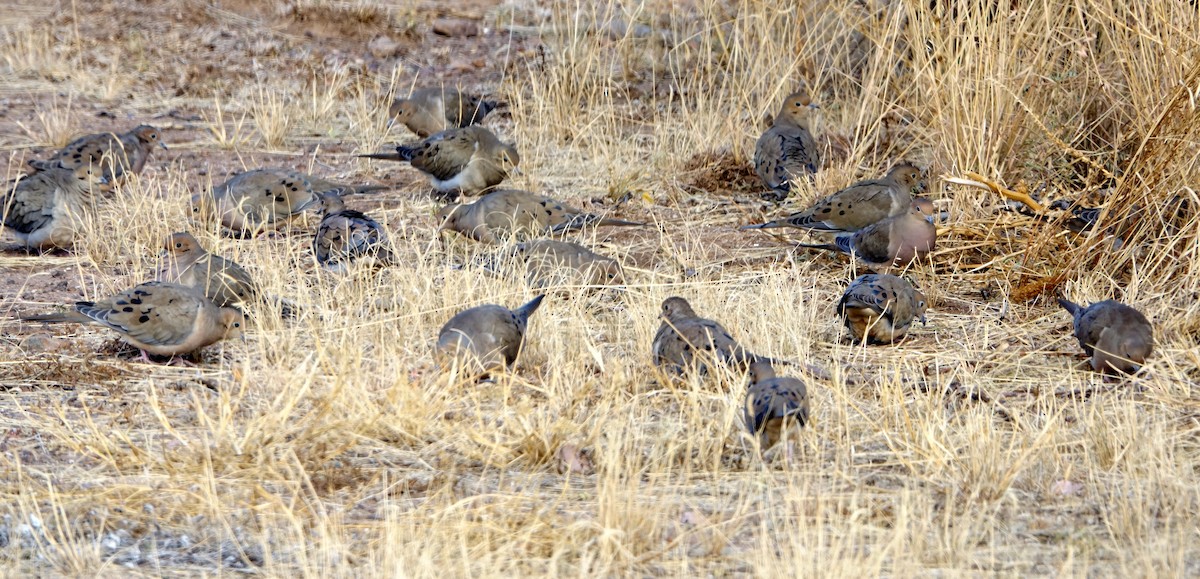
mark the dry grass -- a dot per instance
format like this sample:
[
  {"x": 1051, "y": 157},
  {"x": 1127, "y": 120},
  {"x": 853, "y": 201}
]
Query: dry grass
[{"x": 329, "y": 445}]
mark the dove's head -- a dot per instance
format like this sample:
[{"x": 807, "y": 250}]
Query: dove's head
[
  {"x": 509, "y": 157},
  {"x": 797, "y": 110},
  {"x": 332, "y": 203},
  {"x": 234, "y": 322},
  {"x": 447, "y": 217},
  {"x": 907, "y": 176},
  {"x": 920, "y": 305},
  {"x": 676, "y": 308},
  {"x": 400, "y": 111},
  {"x": 91, "y": 176},
  {"x": 149, "y": 135},
  {"x": 182, "y": 243},
  {"x": 761, "y": 370}
]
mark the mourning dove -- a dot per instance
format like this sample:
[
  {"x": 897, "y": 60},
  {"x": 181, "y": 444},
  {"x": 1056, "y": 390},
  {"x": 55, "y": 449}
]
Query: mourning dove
[
  {"x": 160, "y": 318},
  {"x": 219, "y": 279},
  {"x": 774, "y": 403},
  {"x": 116, "y": 154},
  {"x": 1117, "y": 337},
  {"x": 469, "y": 159},
  {"x": 346, "y": 235},
  {"x": 52, "y": 207},
  {"x": 858, "y": 205},
  {"x": 894, "y": 242},
  {"x": 685, "y": 342},
  {"x": 512, "y": 212},
  {"x": 551, "y": 262},
  {"x": 488, "y": 337},
  {"x": 434, "y": 109},
  {"x": 879, "y": 308},
  {"x": 264, "y": 199},
  {"x": 787, "y": 149}
]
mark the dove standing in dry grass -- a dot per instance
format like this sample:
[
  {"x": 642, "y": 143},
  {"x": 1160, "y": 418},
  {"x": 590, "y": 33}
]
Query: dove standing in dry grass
[
  {"x": 490, "y": 336},
  {"x": 787, "y": 149},
  {"x": 48, "y": 209},
  {"x": 894, "y": 242},
  {"x": 470, "y": 159},
  {"x": 515, "y": 213},
  {"x": 346, "y": 235},
  {"x": 858, "y": 205},
  {"x": 880, "y": 308},
  {"x": 685, "y": 341},
  {"x": 264, "y": 199},
  {"x": 1117, "y": 337},
  {"x": 159, "y": 318},
  {"x": 117, "y": 155},
  {"x": 434, "y": 109},
  {"x": 550, "y": 262},
  {"x": 774, "y": 404}
]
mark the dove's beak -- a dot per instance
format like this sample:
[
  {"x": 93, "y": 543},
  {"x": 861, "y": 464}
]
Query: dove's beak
[
  {"x": 163, "y": 145},
  {"x": 922, "y": 319}
]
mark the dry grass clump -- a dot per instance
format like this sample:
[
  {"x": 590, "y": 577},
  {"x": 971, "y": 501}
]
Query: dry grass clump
[{"x": 331, "y": 445}]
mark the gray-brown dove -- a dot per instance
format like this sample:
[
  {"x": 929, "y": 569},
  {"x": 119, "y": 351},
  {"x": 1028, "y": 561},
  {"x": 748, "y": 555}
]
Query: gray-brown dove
[
  {"x": 115, "y": 154},
  {"x": 346, "y": 235},
  {"x": 470, "y": 159},
  {"x": 550, "y": 262},
  {"x": 1117, "y": 337},
  {"x": 894, "y": 242},
  {"x": 774, "y": 404},
  {"x": 858, "y": 205},
  {"x": 221, "y": 280},
  {"x": 486, "y": 337},
  {"x": 686, "y": 342},
  {"x": 514, "y": 213},
  {"x": 264, "y": 199},
  {"x": 434, "y": 109},
  {"x": 880, "y": 308},
  {"x": 50, "y": 208},
  {"x": 787, "y": 149},
  {"x": 160, "y": 318}
]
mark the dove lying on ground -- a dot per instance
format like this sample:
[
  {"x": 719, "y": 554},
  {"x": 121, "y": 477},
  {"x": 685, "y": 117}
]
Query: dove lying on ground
[
  {"x": 514, "y": 213},
  {"x": 485, "y": 338},
  {"x": 221, "y": 280},
  {"x": 159, "y": 318},
  {"x": 549, "y": 262},
  {"x": 434, "y": 109},
  {"x": 787, "y": 150},
  {"x": 894, "y": 242},
  {"x": 880, "y": 308},
  {"x": 858, "y": 205},
  {"x": 1117, "y": 337},
  {"x": 264, "y": 199},
  {"x": 470, "y": 159},
  {"x": 51, "y": 208}
]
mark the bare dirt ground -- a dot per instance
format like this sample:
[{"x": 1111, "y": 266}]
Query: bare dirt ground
[{"x": 330, "y": 445}]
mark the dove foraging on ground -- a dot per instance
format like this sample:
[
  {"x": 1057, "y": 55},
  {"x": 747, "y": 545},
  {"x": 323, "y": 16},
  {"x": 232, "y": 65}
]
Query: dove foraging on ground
[
  {"x": 346, "y": 235},
  {"x": 894, "y": 242},
  {"x": 49, "y": 208},
  {"x": 264, "y": 199},
  {"x": 159, "y": 318},
  {"x": 117, "y": 155},
  {"x": 685, "y": 341},
  {"x": 787, "y": 149},
  {"x": 515, "y": 213},
  {"x": 550, "y": 262},
  {"x": 858, "y": 205},
  {"x": 880, "y": 308},
  {"x": 489, "y": 336},
  {"x": 470, "y": 159},
  {"x": 1117, "y": 337},
  {"x": 773, "y": 403},
  {"x": 432, "y": 110}
]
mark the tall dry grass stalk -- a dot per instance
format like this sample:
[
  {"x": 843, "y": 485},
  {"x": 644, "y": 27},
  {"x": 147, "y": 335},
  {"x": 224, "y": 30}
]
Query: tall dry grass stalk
[{"x": 329, "y": 445}]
